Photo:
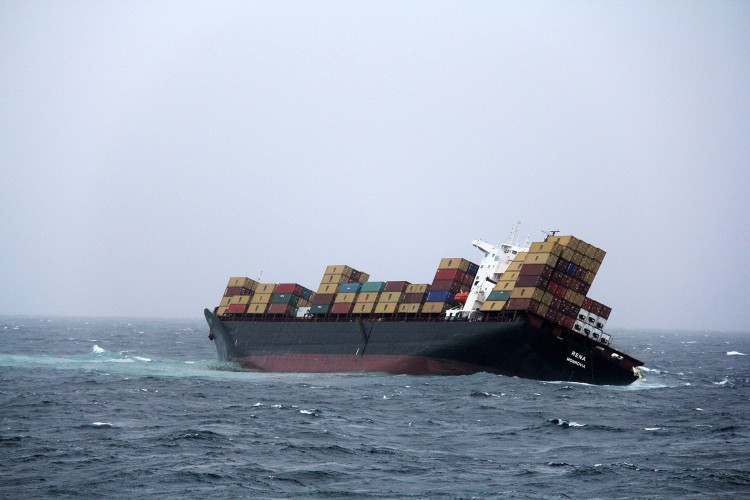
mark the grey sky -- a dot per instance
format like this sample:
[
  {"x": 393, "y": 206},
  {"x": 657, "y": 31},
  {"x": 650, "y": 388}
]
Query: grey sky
[{"x": 149, "y": 150}]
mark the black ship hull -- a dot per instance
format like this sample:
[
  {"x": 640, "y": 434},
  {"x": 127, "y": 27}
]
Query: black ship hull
[{"x": 526, "y": 348}]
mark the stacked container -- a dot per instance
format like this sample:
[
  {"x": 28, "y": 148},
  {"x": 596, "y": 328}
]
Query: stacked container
[
  {"x": 454, "y": 275},
  {"x": 261, "y": 298},
  {"x": 413, "y": 298},
  {"x": 498, "y": 298},
  {"x": 391, "y": 297},
  {"x": 368, "y": 296},
  {"x": 287, "y": 298},
  {"x": 237, "y": 296},
  {"x": 330, "y": 299}
]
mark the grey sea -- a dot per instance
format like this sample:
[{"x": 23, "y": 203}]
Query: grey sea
[{"x": 118, "y": 408}]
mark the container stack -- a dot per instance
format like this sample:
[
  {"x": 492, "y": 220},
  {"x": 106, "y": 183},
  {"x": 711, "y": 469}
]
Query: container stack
[
  {"x": 454, "y": 275},
  {"x": 391, "y": 297},
  {"x": 287, "y": 298},
  {"x": 368, "y": 296},
  {"x": 330, "y": 299},
  {"x": 413, "y": 298},
  {"x": 237, "y": 296},
  {"x": 552, "y": 281},
  {"x": 262, "y": 298}
]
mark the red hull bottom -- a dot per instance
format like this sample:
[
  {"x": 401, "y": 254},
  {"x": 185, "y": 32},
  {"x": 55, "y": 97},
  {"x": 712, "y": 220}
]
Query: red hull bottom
[{"x": 339, "y": 363}]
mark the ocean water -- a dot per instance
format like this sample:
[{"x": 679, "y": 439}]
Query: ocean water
[{"x": 119, "y": 408}]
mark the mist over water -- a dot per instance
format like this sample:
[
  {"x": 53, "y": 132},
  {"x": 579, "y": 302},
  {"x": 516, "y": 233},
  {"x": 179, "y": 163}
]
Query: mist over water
[{"x": 107, "y": 407}]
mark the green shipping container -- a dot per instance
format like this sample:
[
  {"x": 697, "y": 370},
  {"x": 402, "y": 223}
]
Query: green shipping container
[{"x": 499, "y": 295}]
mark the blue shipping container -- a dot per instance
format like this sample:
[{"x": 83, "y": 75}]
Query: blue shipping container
[
  {"x": 373, "y": 286},
  {"x": 349, "y": 287},
  {"x": 440, "y": 296}
]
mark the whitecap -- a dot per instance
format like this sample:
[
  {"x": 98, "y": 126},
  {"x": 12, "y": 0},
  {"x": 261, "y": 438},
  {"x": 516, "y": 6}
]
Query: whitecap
[
  {"x": 309, "y": 412},
  {"x": 127, "y": 360},
  {"x": 652, "y": 428},
  {"x": 723, "y": 382},
  {"x": 189, "y": 362},
  {"x": 735, "y": 353},
  {"x": 102, "y": 424},
  {"x": 97, "y": 350},
  {"x": 142, "y": 359}
]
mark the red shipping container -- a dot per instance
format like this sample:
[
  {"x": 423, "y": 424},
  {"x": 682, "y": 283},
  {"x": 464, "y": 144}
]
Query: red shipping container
[
  {"x": 324, "y": 299},
  {"x": 237, "y": 309},
  {"x": 237, "y": 290},
  {"x": 536, "y": 270},
  {"x": 450, "y": 275},
  {"x": 533, "y": 281},
  {"x": 290, "y": 288},
  {"x": 412, "y": 298},
  {"x": 286, "y": 309},
  {"x": 446, "y": 286},
  {"x": 395, "y": 286},
  {"x": 518, "y": 304},
  {"x": 342, "y": 308}
]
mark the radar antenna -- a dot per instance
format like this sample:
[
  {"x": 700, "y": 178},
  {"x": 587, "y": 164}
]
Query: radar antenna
[
  {"x": 513, "y": 232},
  {"x": 550, "y": 233}
]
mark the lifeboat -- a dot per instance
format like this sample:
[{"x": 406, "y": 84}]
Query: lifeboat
[{"x": 461, "y": 297}]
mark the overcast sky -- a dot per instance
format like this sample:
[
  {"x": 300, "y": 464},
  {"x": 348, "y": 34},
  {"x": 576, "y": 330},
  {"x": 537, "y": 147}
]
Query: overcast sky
[{"x": 151, "y": 150}]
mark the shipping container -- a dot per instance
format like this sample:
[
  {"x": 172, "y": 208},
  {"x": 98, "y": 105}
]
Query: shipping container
[
  {"x": 418, "y": 288},
  {"x": 284, "y": 298},
  {"x": 440, "y": 296},
  {"x": 493, "y": 305},
  {"x": 292, "y": 288},
  {"x": 231, "y": 291},
  {"x": 454, "y": 263},
  {"x": 386, "y": 308},
  {"x": 516, "y": 304},
  {"x": 349, "y": 287},
  {"x": 548, "y": 259},
  {"x": 536, "y": 270},
  {"x": 237, "y": 309},
  {"x": 527, "y": 293},
  {"x": 549, "y": 247},
  {"x": 363, "y": 308},
  {"x": 225, "y": 302},
  {"x": 342, "y": 308},
  {"x": 499, "y": 295},
  {"x": 532, "y": 281},
  {"x": 334, "y": 279},
  {"x": 283, "y": 309},
  {"x": 340, "y": 269},
  {"x": 566, "y": 241},
  {"x": 412, "y": 308},
  {"x": 257, "y": 308},
  {"x": 521, "y": 257},
  {"x": 435, "y": 307},
  {"x": 319, "y": 309},
  {"x": 324, "y": 299},
  {"x": 373, "y": 286},
  {"x": 221, "y": 311},
  {"x": 266, "y": 288},
  {"x": 390, "y": 297},
  {"x": 412, "y": 298},
  {"x": 446, "y": 286},
  {"x": 261, "y": 298},
  {"x": 367, "y": 297},
  {"x": 328, "y": 288},
  {"x": 449, "y": 275},
  {"x": 473, "y": 269},
  {"x": 242, "y": 282},
  {"x": 395, "y": 286},
  {"x": 515, "y": 266},
  {"x": 347, "y": 298},
  {"x": 505, "y": 285}
]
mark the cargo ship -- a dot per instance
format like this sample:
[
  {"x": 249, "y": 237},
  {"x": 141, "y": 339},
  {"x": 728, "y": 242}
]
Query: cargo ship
[{"x": 522, "y": 311}]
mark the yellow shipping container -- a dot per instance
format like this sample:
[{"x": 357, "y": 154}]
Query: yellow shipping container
[
  {"x": 409, "y": 308},
  {"x": 566, "y": 241},
  {"x": 509, "y": 276},
  {"x": 595, "y": 265},
  {"x": 567, "y": 254},
  {"x": 454, "y": 263},
  {"x": 493, "y": 305},
  {"x": 328, "y": 288},
  {"x": 364, "y": 278},
  {"x": 367, "y": 297},
  {"x": 339, "y": 269},
  {"x": 516, "y": 266},
  {"x": 435, "y": 307},
  {"x": 266, "y": 288},
  {"x": 363, "y": 308},
  {"x": 418, "y": 288},
  {"x": 527, "y": 292},
  {"x": 548, "y": 259},
  {"x": 577, "y": 258},
  {"x": 225, "y": 302},
  {"x": 386, "y": 308},
  {"x": 221, "y": 310},
  {"x": 520, "y": 257},
  {"x": 545, "y": 247},
  {"x": 257, "y": 308},
  {"x": 243, "y": 299},
  {"x": 388, "y": 297},
  {"x": 588, "y": 277},
  {"x": 334, "y": 279},
  {"x": 599, "y": 257},
  {"x": 505, "y": 285},
  {"x": 345, "y": 297},
  {"x": 547, "y": 298},
  {"x": 243, "y": 282},
  {"x": 261, "y": 298}
]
